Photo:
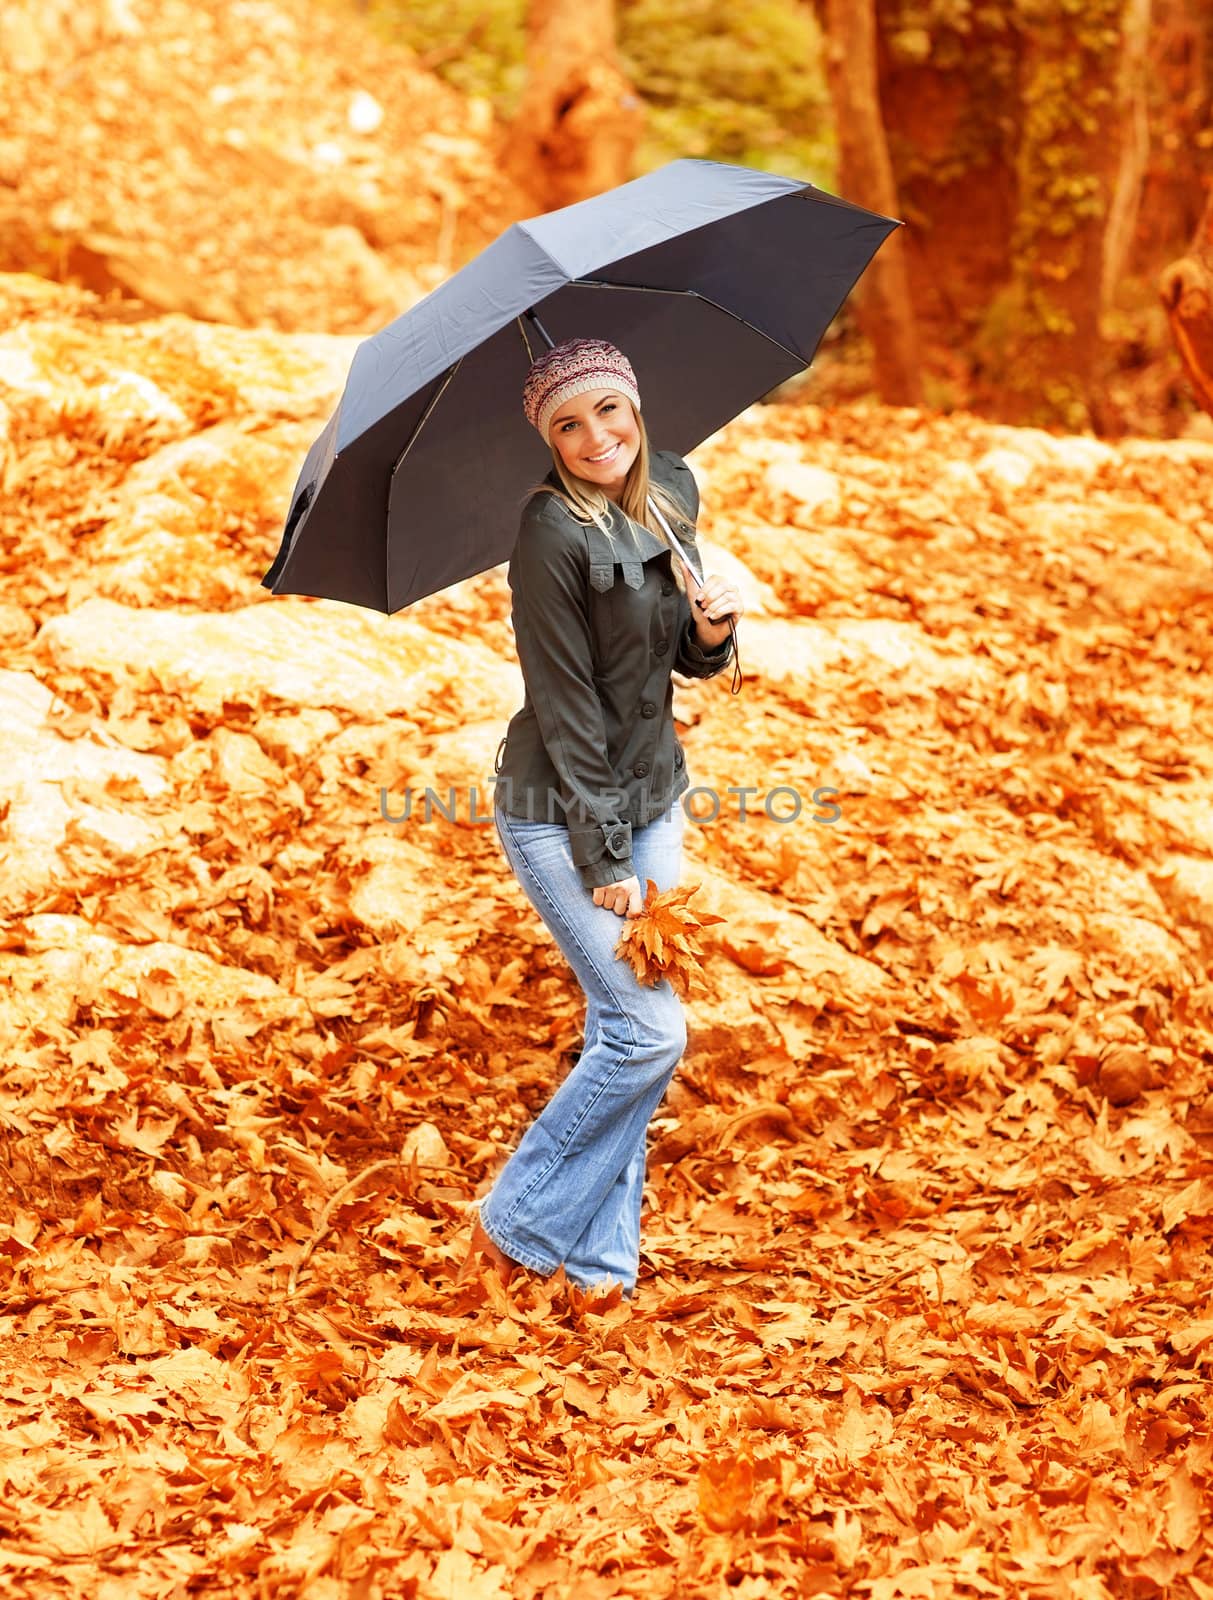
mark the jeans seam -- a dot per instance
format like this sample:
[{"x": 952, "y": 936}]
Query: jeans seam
[
  {"x": 590, "y": 1103},
  {"x": 569, "y": 930},
  {"x": 525, "y": 1257}
]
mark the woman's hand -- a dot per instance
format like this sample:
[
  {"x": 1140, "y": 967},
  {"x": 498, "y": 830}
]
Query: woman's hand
[
  {"x": 625, "y": 898},
  {"x": 715, "y": 605}
]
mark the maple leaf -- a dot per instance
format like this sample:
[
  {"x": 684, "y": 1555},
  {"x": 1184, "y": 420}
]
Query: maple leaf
[{"x": 661, "y": 943}]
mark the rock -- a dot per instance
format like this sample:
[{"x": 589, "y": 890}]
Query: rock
[
  {"x": 760, "y": 936},
  {"x": 1125, "y": 1074},
  {"x": 963, "y": 475},
  {"x": 1185, "y": 810},
  {"x": 169, "y": 1187},
  {"x": 898, "y": 655},
  {"x": 759, "y": 598},
  {"x": 1079, "y": 454},
  {"x": 426, "y": 1146},
  {"x": 850, "y": 774},
  {"x": 402, "y": 884},
  {"x": 292, "y": 738},
  {"x": 809, "y": 488},
  {"x": 360, "y": 273},
  {"x": 1010, "y": 468},
  {"x": 50, "y": 782},
  {"x": 241, "y": 766},
  {"x": 304, "y": 653},
  {"x": 461, "y": 759},
  {"x": 66, "y": 964},
  {"x": 224, "y": 465},
  {"x": 33, "y": 368},
  {"x": 1137, "y": 940},
  {"x": 1186, "y": 885},
  {"x": 1070, "y": 453}
]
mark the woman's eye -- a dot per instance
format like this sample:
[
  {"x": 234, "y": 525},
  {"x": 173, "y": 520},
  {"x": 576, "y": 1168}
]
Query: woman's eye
[{"x": 611, "y": 405}]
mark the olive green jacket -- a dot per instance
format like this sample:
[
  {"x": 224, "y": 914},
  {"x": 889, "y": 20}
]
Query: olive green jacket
[{"x": 598, "y": 632}]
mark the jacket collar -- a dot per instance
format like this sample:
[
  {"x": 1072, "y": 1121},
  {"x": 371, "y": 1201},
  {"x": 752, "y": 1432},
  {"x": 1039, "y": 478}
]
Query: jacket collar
[
  {"x": 636, "y": 534},
  {"x": 631, "y": 544}
]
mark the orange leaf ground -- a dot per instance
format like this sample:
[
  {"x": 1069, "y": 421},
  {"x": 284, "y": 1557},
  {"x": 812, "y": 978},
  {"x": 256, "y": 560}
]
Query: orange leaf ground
[{"x": 926, "y": 1302}]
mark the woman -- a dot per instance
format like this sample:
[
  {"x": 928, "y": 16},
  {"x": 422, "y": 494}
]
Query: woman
[{"x": 587, "y": 799}]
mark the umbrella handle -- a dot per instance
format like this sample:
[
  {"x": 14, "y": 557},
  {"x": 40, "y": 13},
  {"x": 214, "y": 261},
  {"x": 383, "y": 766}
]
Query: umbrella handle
[{"x": 738, "y": 680}]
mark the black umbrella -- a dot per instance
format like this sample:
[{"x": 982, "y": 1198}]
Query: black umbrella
[{"x": 716, "y": 281}]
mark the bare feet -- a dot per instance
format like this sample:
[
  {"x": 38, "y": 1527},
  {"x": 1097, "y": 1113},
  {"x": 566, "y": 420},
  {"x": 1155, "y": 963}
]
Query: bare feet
[{"x": 482, "y": 1245}]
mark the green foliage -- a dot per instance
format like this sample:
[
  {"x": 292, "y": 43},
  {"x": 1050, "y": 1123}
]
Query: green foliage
[
  {"x": 478, "y": 46},
  {"x": 730, "y": 83},
  {"x": 720, "y": 80}
]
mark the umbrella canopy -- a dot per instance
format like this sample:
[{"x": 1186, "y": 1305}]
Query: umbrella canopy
[{"x": 716, "y": 281}]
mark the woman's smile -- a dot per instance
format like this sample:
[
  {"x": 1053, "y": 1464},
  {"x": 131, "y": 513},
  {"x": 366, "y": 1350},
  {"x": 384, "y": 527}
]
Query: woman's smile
[{"x": 597, "y": 437}]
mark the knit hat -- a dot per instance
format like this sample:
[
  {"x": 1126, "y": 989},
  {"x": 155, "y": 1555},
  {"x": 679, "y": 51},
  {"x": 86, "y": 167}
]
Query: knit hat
[{"x": 572, "y": 368}]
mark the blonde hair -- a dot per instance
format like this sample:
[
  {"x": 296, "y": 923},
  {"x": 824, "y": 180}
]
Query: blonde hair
[{"x": 587, "y": 502}]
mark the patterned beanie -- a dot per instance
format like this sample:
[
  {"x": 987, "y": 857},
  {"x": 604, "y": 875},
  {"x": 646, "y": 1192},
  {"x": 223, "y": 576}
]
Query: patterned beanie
[{"x": 572, "y": 368}]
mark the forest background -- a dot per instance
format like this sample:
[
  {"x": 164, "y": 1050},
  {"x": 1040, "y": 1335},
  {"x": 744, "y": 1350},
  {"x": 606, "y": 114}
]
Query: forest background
[
  {"x": 1050, "y": 161},
  {"x": 1050, "y": 158},
  {"x": 926, "y": 1295}
]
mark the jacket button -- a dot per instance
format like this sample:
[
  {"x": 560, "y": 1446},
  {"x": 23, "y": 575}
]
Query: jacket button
[
  {"x": 667, "y": 588},
  {"x": 640, "y": 769},
  {"x": 648, "y": 709},
  {"x": 661, "y": 647}
]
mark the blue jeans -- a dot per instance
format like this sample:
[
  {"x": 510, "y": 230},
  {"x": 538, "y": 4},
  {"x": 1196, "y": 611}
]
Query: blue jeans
[{"x": 570, "y": 1195}]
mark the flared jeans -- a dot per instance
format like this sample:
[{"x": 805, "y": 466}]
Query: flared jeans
[{"x": 571, "y": 1193}]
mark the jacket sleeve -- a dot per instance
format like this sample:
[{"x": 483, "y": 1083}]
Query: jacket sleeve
[
  {"x": 692, "y": 660},
  {"x": 549, "y": 579}
]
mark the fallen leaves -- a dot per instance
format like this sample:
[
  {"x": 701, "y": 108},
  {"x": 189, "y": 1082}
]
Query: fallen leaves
[
  {"x": 925, "y": 1303},
  {"x": 660, "y": 942}
]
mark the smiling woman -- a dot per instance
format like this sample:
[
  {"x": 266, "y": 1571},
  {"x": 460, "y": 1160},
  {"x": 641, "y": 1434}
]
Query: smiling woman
[
  {"x": 603, "y": 613},
  {"x": 583, "y": 398},
  {"x": 598, "y": 438}
]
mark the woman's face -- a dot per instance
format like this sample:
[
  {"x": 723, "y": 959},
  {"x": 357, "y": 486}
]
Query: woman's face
[{"x": 597, "y": 438}]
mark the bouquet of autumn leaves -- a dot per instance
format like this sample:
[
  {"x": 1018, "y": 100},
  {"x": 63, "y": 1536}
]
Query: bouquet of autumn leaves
[{"x": 661, "y": 943}]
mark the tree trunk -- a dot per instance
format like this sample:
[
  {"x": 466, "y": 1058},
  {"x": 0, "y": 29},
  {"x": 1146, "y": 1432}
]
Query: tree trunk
[
  {"x": 1186, "y": 288},
  {"x": 948, "y": 98},
  {"x": 1051, "y": 356},
  {"x": 1135, "y": 150},
  {"x": 1180, "y": 84},
  {"x": 884, "y": 306},
  {"x": 578, "y": 121}
]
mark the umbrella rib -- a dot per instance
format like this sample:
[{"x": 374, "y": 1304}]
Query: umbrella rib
[
  {"x": 694, "y": 294},
  {"x": 422, "y": 419},
  {"x": 420, "y": 423}
]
